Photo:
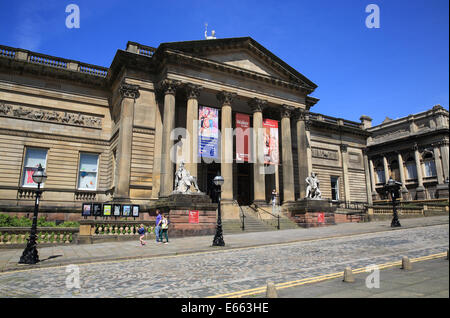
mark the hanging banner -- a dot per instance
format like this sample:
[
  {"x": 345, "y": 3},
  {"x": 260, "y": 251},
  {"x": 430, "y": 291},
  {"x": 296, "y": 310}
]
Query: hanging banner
[
  {"x": 242, "y": 137},
  {"x": 208, "y": 132},
  {"x": 270, "y": 141}
]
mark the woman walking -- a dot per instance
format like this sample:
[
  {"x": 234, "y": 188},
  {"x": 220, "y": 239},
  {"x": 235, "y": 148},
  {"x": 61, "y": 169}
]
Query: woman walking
[{"x": 164, "y": 229}]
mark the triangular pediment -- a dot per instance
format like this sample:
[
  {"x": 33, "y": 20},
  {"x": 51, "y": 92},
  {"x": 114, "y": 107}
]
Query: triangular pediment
[{"x": 243, "y": 53}]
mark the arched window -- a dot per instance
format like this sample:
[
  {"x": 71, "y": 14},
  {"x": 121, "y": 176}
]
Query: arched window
[
  {"x": 411, "y": 168},
  {"x": 429, "y": 164}
]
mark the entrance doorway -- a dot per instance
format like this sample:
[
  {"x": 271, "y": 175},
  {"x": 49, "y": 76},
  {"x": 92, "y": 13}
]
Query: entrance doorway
[
  {"x": 212, "y": 171},
  {"x": 244, "y": 184}
]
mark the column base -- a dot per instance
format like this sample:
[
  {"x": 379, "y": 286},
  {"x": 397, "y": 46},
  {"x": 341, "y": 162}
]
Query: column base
[
  {"x": 442, "y": 191},
  {"x": 420, "y": 193}
]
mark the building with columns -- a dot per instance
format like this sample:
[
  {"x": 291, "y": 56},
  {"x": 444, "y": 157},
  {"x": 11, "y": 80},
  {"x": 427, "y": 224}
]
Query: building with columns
[
  {"x": 412, "y": 150},
  {"x": 118, "y": 134}
]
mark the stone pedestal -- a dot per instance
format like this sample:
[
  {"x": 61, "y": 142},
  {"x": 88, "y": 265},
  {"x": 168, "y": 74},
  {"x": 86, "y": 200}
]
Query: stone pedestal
[
  {"x": 442, "y": 191},
  {"x": 177, "y": 207},
  {"x": 311, "y": 212}
]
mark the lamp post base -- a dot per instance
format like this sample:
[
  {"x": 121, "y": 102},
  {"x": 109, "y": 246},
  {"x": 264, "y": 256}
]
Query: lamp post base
[
  {"x": 395, "y": 223},
  {"x": 30, "y": 254},
  {"x": 218, "y": 238}
]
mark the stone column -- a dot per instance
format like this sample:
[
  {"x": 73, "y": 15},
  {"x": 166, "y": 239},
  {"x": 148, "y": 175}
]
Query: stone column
[
  {"x": 401, "y": 169},
  {"x": 169, "y": 88},
  {"x": 344, "y": 157},
  {"x": 288, "y": 163},
  {"x": 193, "y": 92},
  {"x": 372, "y": 180},
  {"x": 444, "y": 155},
  {"x": 129, "y": 93},
  {"x": 226, "y": 152},
  {"x": 259, "y": 184},
  {"x": 386, "y": 169},
  {"x": 442, "y": 190},
  {"x": 156, "y": 176},
  {"x": 303, "y": 149},
  {"x": 368, "y": 177},
  {"x": 420, "y": 190}
]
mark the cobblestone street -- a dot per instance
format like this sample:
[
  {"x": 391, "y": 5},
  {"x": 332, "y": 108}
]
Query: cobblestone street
[{"x": 220, "y": 272}]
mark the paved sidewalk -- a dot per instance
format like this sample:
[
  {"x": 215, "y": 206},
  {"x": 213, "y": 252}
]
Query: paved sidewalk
[
  {"x": 89, "y": 253},
  {"x": 429, "y": 279}
]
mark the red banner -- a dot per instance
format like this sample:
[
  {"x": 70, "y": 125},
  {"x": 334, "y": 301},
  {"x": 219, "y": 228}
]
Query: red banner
[
  {"x": 270, "y": 141},
  {"x": 193, "y": 216},
  {"x": 242, "y": 137}
]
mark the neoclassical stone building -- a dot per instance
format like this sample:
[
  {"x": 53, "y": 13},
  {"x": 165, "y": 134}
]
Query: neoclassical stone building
[
  {"x": 105, "y": 134},
  {"x": 414, "y": 151}
]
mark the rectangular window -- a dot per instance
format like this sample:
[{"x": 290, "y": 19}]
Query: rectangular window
[
  {"x": 33, "y": 157},
  {"x": 411, "y": 169},
  {"x": 380, "y": 176},
  {"x": 430, "y": 168},
  {"x": 335, "y": 188},
  {"x": 87, "y": 174}
]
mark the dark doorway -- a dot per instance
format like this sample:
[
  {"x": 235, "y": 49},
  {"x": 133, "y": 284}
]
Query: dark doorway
[
  {"x": 212, "y": 171},
  {"x": 244, "y": 184}
]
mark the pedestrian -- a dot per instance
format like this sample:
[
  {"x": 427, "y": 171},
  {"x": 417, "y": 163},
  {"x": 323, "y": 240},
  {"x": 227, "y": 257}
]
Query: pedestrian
[
  {"x": 158, "y": 226},
  {"x": 164, "y": 229},
  {"x": 141, "y": 232}
]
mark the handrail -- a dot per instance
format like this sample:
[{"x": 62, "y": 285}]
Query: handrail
[
  {"x": 242, "y": 214},
  {"x": 275, "y": 216}
]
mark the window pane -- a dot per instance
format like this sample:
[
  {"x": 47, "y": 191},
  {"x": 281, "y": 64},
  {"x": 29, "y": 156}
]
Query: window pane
[
  {"x": 430, "y": 168},
  {"x": 87, "y": 178},
  {"x": 380, "y": 176},
  {"x": 412, "y": 172},
  {"x": 33, "y": 158}
]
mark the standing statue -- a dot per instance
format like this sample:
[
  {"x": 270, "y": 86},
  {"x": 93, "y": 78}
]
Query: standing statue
[
  {"x": 184, "y": 180},
  {"x": 312, "y": 188}
]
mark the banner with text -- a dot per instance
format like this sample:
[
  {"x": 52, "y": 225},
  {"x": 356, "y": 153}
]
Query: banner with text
[
  {"x": 208, "y": 131},
  {"x": 242, "y": 137},
  {"x": 270, "y": 141}
]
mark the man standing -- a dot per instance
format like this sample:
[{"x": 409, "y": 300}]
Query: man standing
[{"x": 158, "y": 226}]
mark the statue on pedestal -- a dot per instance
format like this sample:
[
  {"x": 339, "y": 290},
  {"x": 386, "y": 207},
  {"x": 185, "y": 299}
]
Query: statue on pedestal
[
  {"x": 312, "y": 187},
  {"x": 184, "y": 181}
]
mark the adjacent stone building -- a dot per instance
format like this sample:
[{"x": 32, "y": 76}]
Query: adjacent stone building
[{"x": 105, "y": 134}]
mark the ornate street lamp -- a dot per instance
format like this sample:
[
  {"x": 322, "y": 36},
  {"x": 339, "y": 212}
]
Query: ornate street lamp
[
  {"x": 30, "y": 254},
  {"x": 393, "y": 188},
  {"x": 218, "y": 238}
]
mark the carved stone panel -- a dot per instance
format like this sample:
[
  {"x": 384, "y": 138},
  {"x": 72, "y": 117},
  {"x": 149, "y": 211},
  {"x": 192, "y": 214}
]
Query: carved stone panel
[
  {"x": 324, "y": 154},
  {"x": 52, "y": 116}
]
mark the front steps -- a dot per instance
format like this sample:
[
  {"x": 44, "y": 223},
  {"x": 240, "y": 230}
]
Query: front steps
[{"x": 253, "y": 223}]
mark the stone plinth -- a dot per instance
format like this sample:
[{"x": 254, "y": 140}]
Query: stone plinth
[
  {"x": 311, "y": 212},
  {"x": 177, "y": 207}
]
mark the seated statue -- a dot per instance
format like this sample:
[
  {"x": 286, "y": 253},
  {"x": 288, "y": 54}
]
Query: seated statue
[
  {"x": 184, "y": 181},
  {"x": 312, "y": 187}
]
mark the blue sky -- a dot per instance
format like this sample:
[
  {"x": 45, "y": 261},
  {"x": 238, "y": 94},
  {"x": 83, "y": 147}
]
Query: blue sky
[{"x": 399, "y": 69}]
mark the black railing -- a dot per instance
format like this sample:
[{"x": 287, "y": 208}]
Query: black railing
[
  {"x": 242, "y": 216},
  {"x": 256, "y": 208}
]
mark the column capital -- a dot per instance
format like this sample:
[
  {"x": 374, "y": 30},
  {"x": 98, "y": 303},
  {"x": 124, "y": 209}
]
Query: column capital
[
  {"x": 169, "y": 86},
  {"x": 287, "y": 111},
  {"x": 257, "y": 105},
  {"x": 300, "y": 114},
  {"x": 415, "y": 147},
  {"x": 225, "y": 98},
  {"x": 129, "y": 90},
  {"x": 308, "y": 124},
  {"x": 343, "y": 147},
  {"x": 192, "y": 90}
]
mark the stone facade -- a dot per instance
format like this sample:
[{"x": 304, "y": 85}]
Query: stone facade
[
  {"x": 122, "y": 116},
  {"x": 414, "y": 151}
]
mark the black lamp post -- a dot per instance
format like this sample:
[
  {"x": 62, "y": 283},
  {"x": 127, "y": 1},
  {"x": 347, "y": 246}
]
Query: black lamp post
[
  {"x": 30, "y": 253},
  {"x": 393, "y": 188},
  {"x": 218, "y": 238}
]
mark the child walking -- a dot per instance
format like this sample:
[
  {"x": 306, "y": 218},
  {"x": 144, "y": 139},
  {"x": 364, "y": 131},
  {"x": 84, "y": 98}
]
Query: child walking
[{"x": 141, "y": 232}]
